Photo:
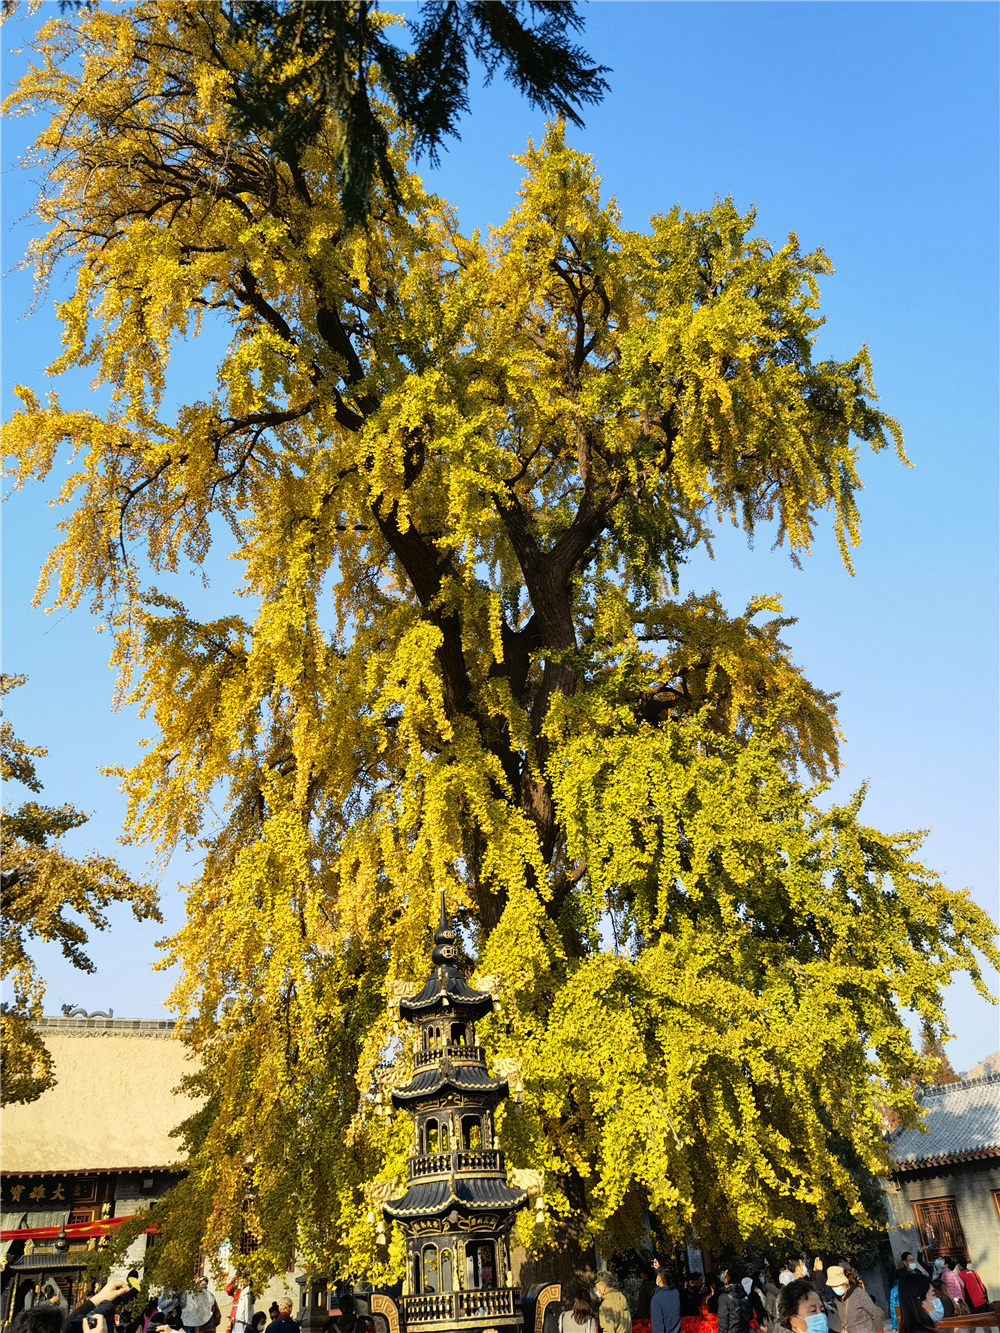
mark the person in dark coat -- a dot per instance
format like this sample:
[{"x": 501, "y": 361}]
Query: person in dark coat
[
  {"x": 284, "y": 1322},
  {"x": 665, "y": 1306},
  {"x": 754, "y": 1289},
  {"x": 734, "y": 1308},
  {"x": 103, "y": 1302},
  {"x": 712, "y": 1293},
  {"x": 640, "y": 1315},
  {"x": 691, "y": 1296}
]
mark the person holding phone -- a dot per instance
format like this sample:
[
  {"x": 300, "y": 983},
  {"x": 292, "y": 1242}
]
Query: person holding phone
[{"x": 103, "y": 1303}]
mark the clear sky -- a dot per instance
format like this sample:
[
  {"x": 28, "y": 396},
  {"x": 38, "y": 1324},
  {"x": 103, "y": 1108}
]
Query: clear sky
[{"x": 870, "y": 129}]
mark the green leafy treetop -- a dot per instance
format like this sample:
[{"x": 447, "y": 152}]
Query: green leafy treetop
[
  {"x": 305, "y": 69},
  {"x": 461, "y": 476},
  {"x": 40, "y": 885}
]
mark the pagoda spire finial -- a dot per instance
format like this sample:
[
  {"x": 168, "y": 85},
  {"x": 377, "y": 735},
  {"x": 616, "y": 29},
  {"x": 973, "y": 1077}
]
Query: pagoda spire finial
[{"x": 444, "y": 939}]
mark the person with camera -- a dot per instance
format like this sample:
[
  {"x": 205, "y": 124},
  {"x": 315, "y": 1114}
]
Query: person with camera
[
  {"x": 97, "y": 1323},
  {"x": 103, "y": 1304}
]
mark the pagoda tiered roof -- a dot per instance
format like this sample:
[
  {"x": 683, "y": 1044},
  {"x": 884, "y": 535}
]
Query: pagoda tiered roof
[
  {"x": 458, "y": 1078},
  {"x": 446, "y": 983},
  {"x": 457, "y": 1201},
  {"x": 468, "y": 1195}
]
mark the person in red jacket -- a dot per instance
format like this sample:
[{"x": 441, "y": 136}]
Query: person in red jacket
[{"x": 974, "y": 1290}]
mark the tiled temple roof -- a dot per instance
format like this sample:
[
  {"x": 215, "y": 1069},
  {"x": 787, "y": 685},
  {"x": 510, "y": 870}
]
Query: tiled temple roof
[{"x": 961, "y": 1123}]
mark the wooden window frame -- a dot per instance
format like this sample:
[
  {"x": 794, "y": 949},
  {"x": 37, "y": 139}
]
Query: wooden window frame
[{"x": 933, "y": 1248}]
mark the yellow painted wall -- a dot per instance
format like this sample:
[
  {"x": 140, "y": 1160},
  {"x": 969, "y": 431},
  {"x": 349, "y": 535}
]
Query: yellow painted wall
[{"x": 113, "y": 1105}]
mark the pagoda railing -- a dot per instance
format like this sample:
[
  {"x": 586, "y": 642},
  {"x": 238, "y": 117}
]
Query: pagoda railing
[
  {"x": 479, "y": 1159},
  {"x": 429, "y": 1309},
  {"x": 488, "y": 1160},
  {"x": 471, "y": 1054},
  {"x": 461, "y": 1305},
  {"x": 491, "y": 1301},
  {"x": 430, "y": 1164}
]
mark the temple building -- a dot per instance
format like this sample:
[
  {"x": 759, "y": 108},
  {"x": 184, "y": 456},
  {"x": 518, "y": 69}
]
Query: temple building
[
  {"x": 458, "y": 1210},
  {"x": 944, "y": 1191},
  {"x": 91, "y": 1150},
  {"x": 94, "y": 1149}
]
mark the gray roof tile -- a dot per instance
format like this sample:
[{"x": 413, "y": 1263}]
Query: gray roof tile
[{"x": 961, "y": 1119}]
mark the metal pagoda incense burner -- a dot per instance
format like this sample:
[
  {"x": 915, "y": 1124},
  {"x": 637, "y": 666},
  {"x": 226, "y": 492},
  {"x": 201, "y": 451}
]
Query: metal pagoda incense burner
[{"x": 458, "y": 1209}]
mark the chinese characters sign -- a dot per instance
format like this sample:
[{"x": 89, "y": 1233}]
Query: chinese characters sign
[{"x": 46, "y": 1192}]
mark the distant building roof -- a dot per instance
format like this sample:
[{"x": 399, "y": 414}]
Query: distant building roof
[
  {"x": 962, "y": 1123},
  {"x": 114, "y": 1103}
]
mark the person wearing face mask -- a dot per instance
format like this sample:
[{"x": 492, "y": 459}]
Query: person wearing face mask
[
  {"x": 613, "y": 1313},
  {"x": 665, "y": 1307},
  {"x": 947, "y": 1304},
  {"x": 851, "y": 1310},
  {"x": 800, "y": 1309},
  {"x": 909, "y": 1260},
  {"x": 919, "y": 1308}
]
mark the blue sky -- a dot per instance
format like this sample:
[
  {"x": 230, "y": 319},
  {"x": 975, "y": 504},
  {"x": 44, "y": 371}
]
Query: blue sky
[{"x": 870, "y": 129}]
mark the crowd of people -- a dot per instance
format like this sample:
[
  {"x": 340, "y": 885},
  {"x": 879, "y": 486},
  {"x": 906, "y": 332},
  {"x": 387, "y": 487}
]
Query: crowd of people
[
  {"x": 800, "y": 1298},
  {"x": 951, "y": 1285},
  {"x": 118, "y": 1308}
]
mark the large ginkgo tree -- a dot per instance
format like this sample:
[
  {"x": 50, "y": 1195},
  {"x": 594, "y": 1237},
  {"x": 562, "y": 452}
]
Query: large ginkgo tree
[{"x": 461, "y": 475}]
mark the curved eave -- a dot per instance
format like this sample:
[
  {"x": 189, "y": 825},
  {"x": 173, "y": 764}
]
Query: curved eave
[
  {"x": 948, "y": 1159},
  {"x": 446, "y": 984},
  {"x": 470, "y": 1004},
  {"x": 413, "y": 1010},
  {"x": 465, "y": 1079},
  {"x": 467, "y": 1197}
]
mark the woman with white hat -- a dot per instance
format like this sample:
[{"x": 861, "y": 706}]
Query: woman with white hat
[{"x": 853, "y": 1310}]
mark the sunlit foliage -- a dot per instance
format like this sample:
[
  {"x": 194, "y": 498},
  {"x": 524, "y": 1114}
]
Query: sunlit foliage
[{"x": 461, "y": 475}]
